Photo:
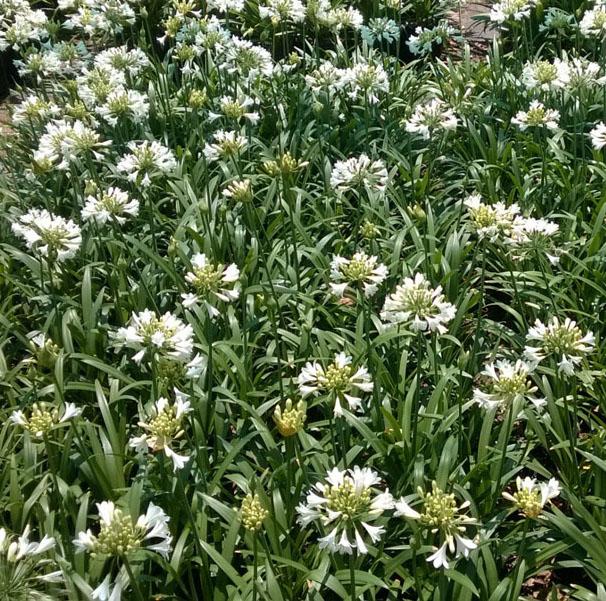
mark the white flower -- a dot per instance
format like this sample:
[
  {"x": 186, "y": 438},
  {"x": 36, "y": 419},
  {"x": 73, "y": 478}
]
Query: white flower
[
  {"x": 326, "y": 78},
  {"x": 358, "y": 172},
  {"x": 490, "y": 221},
  {"x": 415, "y": 303},
  {"x": 111, "y": 204},
  {"x": 565, "y": 342},
  {"x": 282, "y": 10},
  {"x": 361, "y": 270},
  {"x": 511, "y": 10},
  {"x": 34, "y": 108},
  {"x": 380, "y": 30},
  {"x": 63, "y": 143},
  {"x": 532, "y": 497},
  {"x": 225, "y": 6},
  {"x": 537, "y": 116},
  {"x": 431, "y": 117},
  {"x": 247, "y": 60},
  {"x": 226, "y": 144},
  {"x": 338, "y": 379},
  {"x": 164, "y": 428},
  {"x": 546, "y": 76},
  {"x": 166, "y": 335},
  {"x": 504, "y": 383},
  {"x": 44, "y": 417},
  {"x": 106, "y": 592},
  {"x": 441, "y": 516},
  {"x": 119, "y": 535},
  {"x": 236, "y": 108},
  {"x": 48, "y": 235},
  {"x": 123, "y": 104},
  {"x": 346, "y": 502},
  {"x": 424, "y": 39},
  {"x": 365, "y": 80},
  {"x": 593, "y": 23},
  {"x": 598, "y": 136},
  {"x": 212, "y": 283},
  {"x": 121, "y": 58},
  {"x": 146, "y": 161}
]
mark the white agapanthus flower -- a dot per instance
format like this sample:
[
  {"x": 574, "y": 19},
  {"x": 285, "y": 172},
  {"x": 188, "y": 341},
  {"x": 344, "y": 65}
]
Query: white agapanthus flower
[
  {"x": 346, "y": 504},
  {"x": 441, "y": 515},
  {"x": 111, "y": 591},
  {"x": 225, "y": 144},
  {"x": 563, "y": 341},
  {"x": 584, "y": 74},
  {"x": 121, "y": 58},
  {"x": 236, "y": 108},
  {"x": 426, "y": 39},
  {"x": 14, "y": 551},
  {"x": 326, "y": 78},
  {"x": 339, "y": 380},
  {"x": 226, "y": 6},
  {"x": 531, "y": 497},
  {"x": 380, "y": 30},
  {"x": 123, "y": 104},
  {"x": 47, "y": 235},
  {"x": 546, "y": 76},
  {"x": 108, "y": 205},
  {"x": 279, "y": 11},
  {"x": 163, "y": 428},
  {"x": 511, "y": 10},
  {"x": 34, "y": 108},
  {"x": 167, "y": 336},
  {"x": 431, "y": 117},
  {"x": 146, "y": 161},
  {"x": 598, "y": 136},
  {"x": 537, "y": 116},
  {"x": 211, "y": 283},
  {"x": 359, "y": 172},
  {"x": 419, "y": 306},
  {"x": 64, "y": 142},
  {"x": 530, "y": 235},
  {"x": 366, "y": 81},
  {"x": 246, "y": 59},
  {"x": 361, "y": 271},
  {"x": 503, "y": 383},
  {"x": 593, "y": 23},
  {"x": 119, "y": 535},
  {"x": 44, "y": 417},
  {"x": 490, "y": 221}
]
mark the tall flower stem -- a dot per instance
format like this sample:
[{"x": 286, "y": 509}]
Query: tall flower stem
[
  {"x": 133, "y": 581},
  {"x": 254, "y": 588},
  {"x": 507, "y": 434},
  {"x": 417, "y": 398},
  {"x": 352, "y": 576}
]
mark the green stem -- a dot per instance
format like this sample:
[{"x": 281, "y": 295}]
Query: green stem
[
  {"x": 352, "y": 575},
  {"x": 134, "y": 582}
]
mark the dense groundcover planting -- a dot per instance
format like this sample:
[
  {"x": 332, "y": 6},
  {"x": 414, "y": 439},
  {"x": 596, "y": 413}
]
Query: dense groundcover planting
[{"x": 302, "y": 302}]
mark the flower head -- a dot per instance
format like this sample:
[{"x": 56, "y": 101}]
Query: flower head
[
  {"x": 537, "y": 116},
  {"x": 511, "y": 10},
  {"x": 347, "y": 503},
  {"x": 564, "y": 341},
  {"x": 359, "y": 172},
  {"x": 211, "y": 283},
  {"x": 531, "y": 497},
  {"x": 339, "y": 379},
  {"x": 110, "y": 204},
  {"x": 253, "y": 513},
  {"x": 44, "y": 417},
  {"x": 490, "y": 221},
  {"x": 226, "y": 144},
  {"x": 441, "y": 515},
  {"x": 546, "y": 76},
  {"x": 504, "y": 383},
  {"x": 290, "y": 419},
  {"x": 146, "y": 161},
  {"x": 593, "y": 23},
  {"x": 361, "y": 271},
  {"x": 48, "y": 235},
  {"x": 415, "y": 303},
  {"x": 431, "y": 117},
  {"x": 163, "y": 428},
  {"x": 119, "y": 534},
  {"x": 166, "y": 336},
  {"x": 598, "y": 136}
]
